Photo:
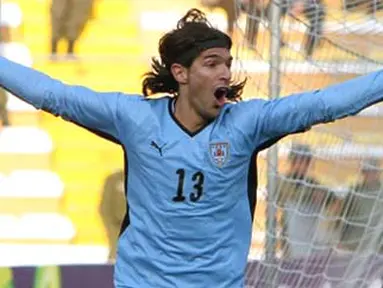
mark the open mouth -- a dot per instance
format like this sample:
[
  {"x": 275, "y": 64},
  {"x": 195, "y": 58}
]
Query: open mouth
[{"x": 222, "y": 92}]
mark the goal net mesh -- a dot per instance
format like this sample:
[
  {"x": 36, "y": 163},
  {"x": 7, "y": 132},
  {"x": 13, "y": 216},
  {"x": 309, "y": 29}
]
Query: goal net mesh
[{"x": 328, "y": 200}]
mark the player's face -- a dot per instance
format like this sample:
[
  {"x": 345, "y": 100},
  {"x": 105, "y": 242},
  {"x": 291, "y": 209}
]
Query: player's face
[{"x": 209, "y": 72}]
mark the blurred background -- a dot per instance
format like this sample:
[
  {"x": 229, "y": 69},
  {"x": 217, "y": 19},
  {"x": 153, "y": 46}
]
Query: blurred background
[{"x": 61, "y": 187}]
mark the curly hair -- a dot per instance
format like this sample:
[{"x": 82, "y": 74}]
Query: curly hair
[{"x": 193, "y": 35}]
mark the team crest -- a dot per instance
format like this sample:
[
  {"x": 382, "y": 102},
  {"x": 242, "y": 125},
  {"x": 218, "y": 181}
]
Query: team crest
[{"x": 219, "y": 153}]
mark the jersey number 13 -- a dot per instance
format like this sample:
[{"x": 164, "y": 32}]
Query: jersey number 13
[{"x": 197, "y": 178}]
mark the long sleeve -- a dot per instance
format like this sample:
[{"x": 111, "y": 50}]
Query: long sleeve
[
  {"x": 300, "y": 112},
  {"x": 263, "y": 121},
  {"x": 90, "y": 109}
]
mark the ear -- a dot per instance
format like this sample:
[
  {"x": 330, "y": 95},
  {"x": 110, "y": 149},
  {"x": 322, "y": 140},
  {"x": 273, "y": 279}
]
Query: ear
[{"x": 179, "y": 73}]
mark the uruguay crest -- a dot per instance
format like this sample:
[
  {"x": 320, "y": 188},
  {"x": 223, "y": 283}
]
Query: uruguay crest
[{"x": 219, "y": 153}]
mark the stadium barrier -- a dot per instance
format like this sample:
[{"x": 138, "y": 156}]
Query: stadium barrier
[{"x": 318, "y": 272}]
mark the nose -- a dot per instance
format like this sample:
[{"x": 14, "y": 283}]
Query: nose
[{"x": 225, "y": 74}]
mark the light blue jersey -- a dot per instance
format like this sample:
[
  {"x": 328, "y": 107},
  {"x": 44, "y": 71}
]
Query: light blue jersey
[{"x": 191, "y": 196}]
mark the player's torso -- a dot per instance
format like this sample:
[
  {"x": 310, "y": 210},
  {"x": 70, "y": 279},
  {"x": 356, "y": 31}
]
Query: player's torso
[
  {"x": 187, "y": 175},
  {"x": 186, "y": 191}
]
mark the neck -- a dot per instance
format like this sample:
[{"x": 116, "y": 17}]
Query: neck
[{"x": 187, "y": 115}]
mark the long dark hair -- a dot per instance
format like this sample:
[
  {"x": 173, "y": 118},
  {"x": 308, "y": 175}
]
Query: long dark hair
[{"x": 182, "y": 45}]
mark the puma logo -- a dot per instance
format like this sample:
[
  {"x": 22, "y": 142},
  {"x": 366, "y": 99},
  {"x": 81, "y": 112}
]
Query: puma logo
[{"x": 155, "y": 146}]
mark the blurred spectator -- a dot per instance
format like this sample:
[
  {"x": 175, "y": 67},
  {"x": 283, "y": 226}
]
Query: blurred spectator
[
  {"x": 4, "y": 120},
  {"x": 254, "y": 10},
  {"x": 232, "y": 9},
  {"x": 370, "y": 6},
  {"x": 303, "y": 205},
  {"x": 5, "y": 37},
  {"x": 113, "y": 208},
  {"x": 315, "y": 13},
  {"x": 363, "y": 211},
  {"x": 5, "y": 33},
  {"x": 68, "y": 20},
  {"x": 228, "y": 6},
  {"x": 313, "y": 10}
]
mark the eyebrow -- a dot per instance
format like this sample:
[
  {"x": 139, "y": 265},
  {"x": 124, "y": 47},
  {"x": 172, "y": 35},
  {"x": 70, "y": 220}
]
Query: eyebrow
[{"x": 218, "y": 56}]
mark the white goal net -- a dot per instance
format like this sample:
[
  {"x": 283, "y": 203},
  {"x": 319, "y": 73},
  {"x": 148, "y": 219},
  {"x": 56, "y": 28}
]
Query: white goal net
[{"x": 328, "y": 200}]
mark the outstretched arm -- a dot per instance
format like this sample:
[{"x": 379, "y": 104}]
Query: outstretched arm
[
  {"x": 262, "y": 121},
  {"x": 96, "y": 111}
]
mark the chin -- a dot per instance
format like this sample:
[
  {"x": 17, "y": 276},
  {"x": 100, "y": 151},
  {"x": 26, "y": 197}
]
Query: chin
[
  {"x": 212, "y": 115},
  {"x": 208, "y": 115}
]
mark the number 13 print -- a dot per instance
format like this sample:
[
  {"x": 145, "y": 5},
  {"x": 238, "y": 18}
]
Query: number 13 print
[{"x": 198, "y": 180}]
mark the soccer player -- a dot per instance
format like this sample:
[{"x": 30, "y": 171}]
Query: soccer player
[
  {"x": 305, "y": 205},
  {"x": 363, "y": 211},
  {"x": 191, "y": 194}
]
